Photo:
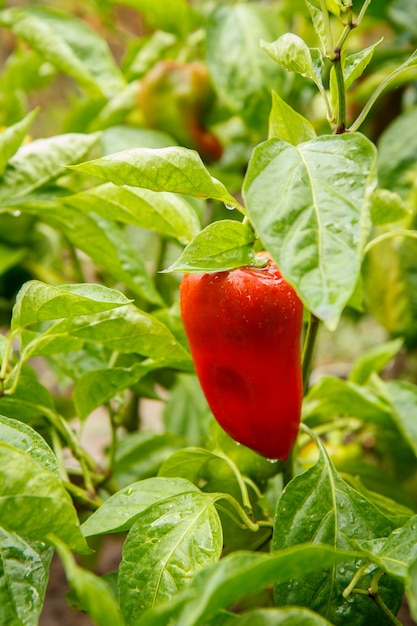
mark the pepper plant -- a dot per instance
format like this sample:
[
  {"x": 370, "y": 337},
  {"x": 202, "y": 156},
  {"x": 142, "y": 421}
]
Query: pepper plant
[{"x": 227, "y": 140}]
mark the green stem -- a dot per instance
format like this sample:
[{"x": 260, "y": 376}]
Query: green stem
[
  {"x": 401, "y": 232},
  {"x": 242, "y": 486},
  {"x": 360, "y": 572},
  {"x": 253, "y": 526},
  {"x": 328, "y": 28},
  {"x": 308, "y": 350},
  {"x": 340, "y": 125},
  {"x": 7, "y": 353},
  {"x": 378, "y": 91}
]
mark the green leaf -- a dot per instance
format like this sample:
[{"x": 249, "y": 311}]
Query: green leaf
[
  {"x": 97, "y": 387},
  {"x": 412, "y": 589},
  {"x": 24, "y": 569},
  {"x": 38, "y": 302},
  {"x": 94, "y": 595},
  {"x": 11, "y": 139},
  {"x": 309, "y": 205},
  {"x": 172, "y": 16},
  {"x": 30, "y": 400},
  {"x": 374, "y": 360},
  {"x": 289, "y": 616},
  {"x": 396, "y": 512},
  {"x": 397, "y": 153},
  {"x": 165, "y": 213},
  {"x": 128, "y": 330},
  {"x": 335, "y": 6},
  {"x": 293, "y": 54},
  {"x": 21, "y": 436},
  {"x": 38, "y": 163},
  {"x": 243, "y": 75},
  {"x": 355, "y": 64},
  {"x": 320, "y": 507},
  {"x": 139, "y": 455},
  {"x": 398, "y": 551},
  {"x": 334, "y": 397},
  {"x": 287, "y": 124},
  {"x": 69, "y": 44},
  {"x": 186, "y": 412},
  {"x": 318, "y": 23},
  {"x": 104, "y": 241},
  {"x": 387, "y": 207},
  {"x": 403, "y": 396},
  {"x": 168, "y": 543},
  {"x": 174, "y": 169},
  {"x": 236, "y": 577},
  {"x": 220, "y": 246},
  {"x": 119, "y": 511},
  {"x": 33, "y": 502}
]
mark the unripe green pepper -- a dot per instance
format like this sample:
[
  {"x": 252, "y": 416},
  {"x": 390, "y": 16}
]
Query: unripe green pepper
[
  {"x": 244, "y": 331},
  {"x": 176, "y": 98}
]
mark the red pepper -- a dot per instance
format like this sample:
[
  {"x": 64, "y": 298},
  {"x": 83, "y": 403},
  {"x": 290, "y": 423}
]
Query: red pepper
[{"x": 244, "y": 331}]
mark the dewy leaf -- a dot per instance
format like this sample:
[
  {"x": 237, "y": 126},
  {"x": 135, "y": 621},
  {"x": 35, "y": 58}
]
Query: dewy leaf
[
  {"x": 33, "y": 502},
  {"x": 398, "y": 551},
  {"x": 68, "y": 44},
  {"x": 11, "y": 139},
  {"x": 174, "y": 169},
  {"x": 24, "y": 569},
  {"x": 238, "y": 576},
  {"x": 38, "y": 302},
  {"x": 41, "y": 161},
  {"x": 163, "y": 212},
  {"x": 93, "y": 593},
  {"x": 318, "y": 506},
  {"x": 22, "y": 436},
  {"x": 221, "y": 246},
  {"x": 119, "y": 511},
  {"x": 285, "y": 123},
  {"x": 293, "y": 54},
  {"x": 129, "y": 330},
  {"x": 168, "y": 543},
  {"x": 412, "y": 589},
  {"x": 309, "y": 205}
]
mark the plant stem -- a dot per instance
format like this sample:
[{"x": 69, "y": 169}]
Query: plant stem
[
  {"x": 243, "y": 489},
  {"x": 308, "y": 350},
  {"x": 401, "y": 232},
  {"x": 253, "y": 526},
  {"x": 340, "y": 125},
  {"x": 378, "y": 91},
  {"x": 288, "y": 468}
]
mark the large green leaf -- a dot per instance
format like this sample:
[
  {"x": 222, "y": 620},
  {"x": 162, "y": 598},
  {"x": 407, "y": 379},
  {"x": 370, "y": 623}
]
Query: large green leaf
[
  {"x": 236, "y": 577},
  {"x": 103, "y": 240},
  {"x": 33, "y": 502},
  {"x": 403, "y": 396},
  {"x": 242, "y": 73},
  {"x": 175, "y": 169},
  {"x": 38, "y": 302},
  {"x": 397, "y": 153},
  {"x": 320, "y": 507},
  {"x": 40, "y": 162},
  {"x": 24, "y": 569},
  {"x": 168, "y": 543},
  {"x": 119, "y": 511},
  {"x": 128, "y": 330},
  {"x": 309, "y": 204},
  {"x": 69, "y": 44},
  {"x": 166, "y": 213},
  {"x": 290, "y": 616}
]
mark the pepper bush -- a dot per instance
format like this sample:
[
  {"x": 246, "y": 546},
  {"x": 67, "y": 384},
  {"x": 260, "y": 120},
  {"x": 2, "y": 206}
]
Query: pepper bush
[{"x": 141, "y": 140}]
